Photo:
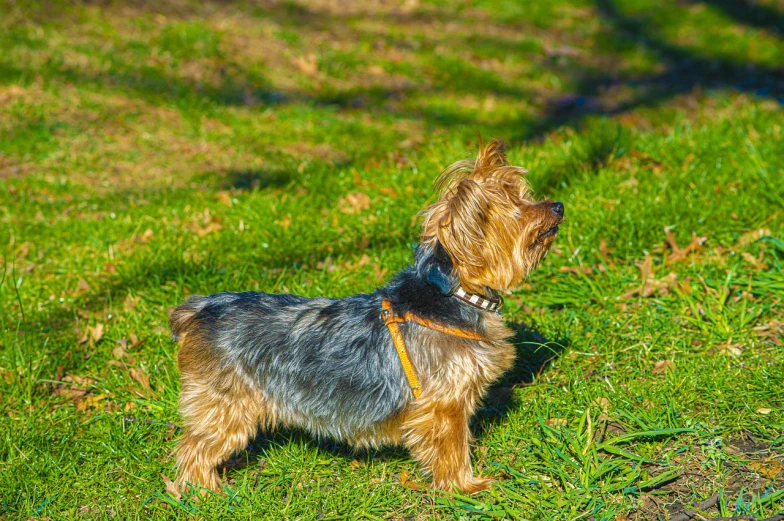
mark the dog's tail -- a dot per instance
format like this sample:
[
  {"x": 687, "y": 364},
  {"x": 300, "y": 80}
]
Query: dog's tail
[{"x": 182, "y": 317}]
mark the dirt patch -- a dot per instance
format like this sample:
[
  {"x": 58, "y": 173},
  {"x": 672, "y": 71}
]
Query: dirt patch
[{"x": 744, "y": 466}]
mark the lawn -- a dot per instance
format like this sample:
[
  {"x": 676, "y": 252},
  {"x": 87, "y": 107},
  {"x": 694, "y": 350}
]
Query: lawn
[{"x": 154, "y": 150}]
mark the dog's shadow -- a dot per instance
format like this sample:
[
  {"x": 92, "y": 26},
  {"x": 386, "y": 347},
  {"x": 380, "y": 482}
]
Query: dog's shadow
[{"x": 534, "y": 354}]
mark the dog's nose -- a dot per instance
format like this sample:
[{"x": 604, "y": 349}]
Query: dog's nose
[{"x": 558, "y": 209}]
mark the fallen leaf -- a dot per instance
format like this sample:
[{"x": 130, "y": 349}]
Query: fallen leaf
[
  {"x": 130, "y": 302},
  {"x": 769, "y": 469},
  {"x": 764, "y": 410},
  {"x": 584, "y": 270},
  {"x": 308, "y": 64},
  {"x": 391, "y": 192},
  {"x": 354, "y": 203},
  {"x": 663, "y": 366},
  {"x": 143, "y": 378},
  {"x": 92, "y": 335},
  {"x": 119, "y": 350},
  {"x": 604, "y": 251},
  {"x": 171, "y": 488},
  {"x": 732, "y": 349},
  {"x": 285, "y": 222},
  {"x": 556, "y": 422},
  {"x": 145, "y": 237},
  {"x": 135, "y": 340},
  {"x": 212, "y": 227},
  {"x": 678, "y": 253},
  {"x": 225, "y": 198},
  {"x": 773, "y": 331},
  {"x": 752, "y": 236},
  {"x": 82, "y": 286}
]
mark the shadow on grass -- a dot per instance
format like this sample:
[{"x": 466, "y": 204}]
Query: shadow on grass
[
  {"x": 248, "y": 179},
  {"x": 681, "y": 70},
  {"x": 534, "y": 354}
]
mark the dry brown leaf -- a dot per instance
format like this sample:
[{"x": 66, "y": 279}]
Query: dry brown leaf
[
  {"x": 143, "y": 378},
  {"x": 773, "y": 331},
  {"x": 171, "y": 488},
  {"x": 380, "y": 273},
  {"x": 602, "y": 403},
  {"x": 556, "y": 422},
  {"x": 354, "y": 203},
  {"x": 764, "y": 410},
  {"x": 663, "y": 366},
  {"x": 117, "y": 363},
  {"x": 212, "y": 227},
  {"x": 82, "y": 286},
  {"x": 134, "y": 340},
  {"x": 225, "y": 198},
  {"x": 119, "y": 349},
  {"x": 605, "y": 252},
  {"x": 585, "y": 270},
  {"x": 130, "y": 302},
  {"x": 8, "y": 375},
  {"x": 769, "y": 469},
  {"x": 678, "y": 253},
  {"x": 732, "y": 349},
  {"x": 391, "y": 192},
  {"x": 71, "y": 393},
  {"x": 285, "y": 222},
  {"x": 145, "y": 237},
  {"x": 92, "y": 401},
  {"x": 308, "y": 64},
  {"x": 752, "y": 236},
  {"x": 93, "y": 334},
  {"x": 74, "y": 388}
]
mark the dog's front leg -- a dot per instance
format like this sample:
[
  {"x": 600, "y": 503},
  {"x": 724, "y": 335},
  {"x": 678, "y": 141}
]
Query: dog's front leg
[{"x": 438, "y": 436}]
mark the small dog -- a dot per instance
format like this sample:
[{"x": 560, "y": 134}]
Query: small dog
[{"x": 407, "y": 364}]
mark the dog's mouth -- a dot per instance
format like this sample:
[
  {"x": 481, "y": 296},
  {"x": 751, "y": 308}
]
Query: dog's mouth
[{"x": 549, "y": 232}]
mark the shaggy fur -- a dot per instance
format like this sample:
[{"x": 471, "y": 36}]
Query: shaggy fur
[{"x": 255, "y": 360}]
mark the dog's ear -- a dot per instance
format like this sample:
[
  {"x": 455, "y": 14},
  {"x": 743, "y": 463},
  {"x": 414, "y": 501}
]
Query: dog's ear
[{"x": 491, "y": 156}]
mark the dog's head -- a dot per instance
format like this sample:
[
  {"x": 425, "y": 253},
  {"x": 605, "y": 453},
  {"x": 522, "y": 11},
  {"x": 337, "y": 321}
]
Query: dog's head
[{"x": 486, "y": 220}]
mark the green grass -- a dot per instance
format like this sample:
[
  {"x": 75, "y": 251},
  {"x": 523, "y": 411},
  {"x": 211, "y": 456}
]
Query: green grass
[{"x": 149, "y": 151}]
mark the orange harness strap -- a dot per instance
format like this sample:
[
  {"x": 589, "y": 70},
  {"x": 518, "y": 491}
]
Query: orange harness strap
[{"x": 391, "y": 321}]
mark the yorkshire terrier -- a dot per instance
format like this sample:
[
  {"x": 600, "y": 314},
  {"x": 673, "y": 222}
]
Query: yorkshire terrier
[{"x": 407, "y": 364}]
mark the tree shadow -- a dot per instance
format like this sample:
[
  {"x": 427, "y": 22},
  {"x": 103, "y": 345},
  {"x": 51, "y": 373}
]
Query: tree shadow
[
  {"x": 248, "y": 179},
  {"x": 682, "y": 70},
  {"x": 749, "y": 12}
]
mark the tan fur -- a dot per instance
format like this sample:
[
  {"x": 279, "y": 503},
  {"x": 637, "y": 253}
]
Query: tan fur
[
  {"x": 456, "y": 375},
  {"x": 487, "y": 221},
  {"x": 221, "y": 413}
]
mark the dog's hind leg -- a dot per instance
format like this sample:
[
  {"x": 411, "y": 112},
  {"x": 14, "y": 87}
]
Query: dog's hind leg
[{"x": 220, "y": 410}]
